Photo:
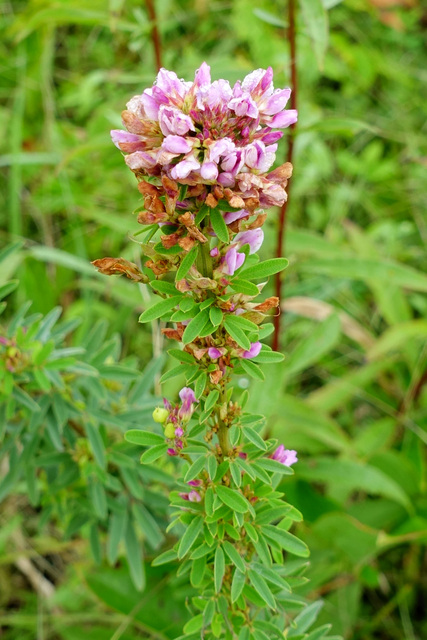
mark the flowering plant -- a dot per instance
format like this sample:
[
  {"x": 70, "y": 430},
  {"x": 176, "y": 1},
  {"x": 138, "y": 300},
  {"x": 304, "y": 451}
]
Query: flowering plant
[{"x": 202, "y": 153}]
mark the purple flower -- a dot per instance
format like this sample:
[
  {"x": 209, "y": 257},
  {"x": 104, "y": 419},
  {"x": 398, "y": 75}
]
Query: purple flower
[
  {"x": 172, "y": 452},
  {"x": 176, "y": 144},
  {"x": 253, "y": 237},
  {"x": 179, "y": 431},
  {"x": 214, "y": 252},
  {"x": 233, "y": 261},
  {"x": 187, "y": 398},
  {"x": 214, "y": 353},
  {"x": 253, "y": 351},
  {"x": 260, "y": 157},
  {"x": 195, "y": 483},
  {"x": 284, "y": 119},
  {"x": 184, "y": 168},
  {"x": 173, "y": 121},
  {"x": 231, "y": 216},
  {"x": 285, "y": 456},
  {"x": 193, "y": 496}
]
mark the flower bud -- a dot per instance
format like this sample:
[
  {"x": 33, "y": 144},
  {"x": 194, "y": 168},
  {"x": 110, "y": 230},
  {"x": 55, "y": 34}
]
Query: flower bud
[
  {"x": 170, "y": 430},
  {"x": 160, "y": 415}
]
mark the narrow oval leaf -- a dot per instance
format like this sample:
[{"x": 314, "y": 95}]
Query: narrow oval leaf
[
  {"x": 219, "y": 569},
  {"x": 159, "y": 309},
  {"x": 144, "y": 438},
  {"x": 286, "y": 540},
  {"x": 219, "y": 226},
  {"x": 233, "y": 499},
  {"x": 190, "y": 536}
]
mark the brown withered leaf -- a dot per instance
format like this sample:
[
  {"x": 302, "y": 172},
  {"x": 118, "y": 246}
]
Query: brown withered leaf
[
  {"x": 215, "y": 376},
  {"x": 269, "y": 303},
  {"x": 151, "y": 217},
  {"x": 120, "y": 267},
  {"x": 147, "y": 189},
  {"x": 159, "y": 267},
  {"x": 259, "y": 221},
  {"x": 186, "y": 243},
  {"x": 211, "y": 201}
]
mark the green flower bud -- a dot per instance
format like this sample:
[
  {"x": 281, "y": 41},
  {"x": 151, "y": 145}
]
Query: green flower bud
[
  {"x": 170, "y": 430},
  {"x": 160, "y": 415}
]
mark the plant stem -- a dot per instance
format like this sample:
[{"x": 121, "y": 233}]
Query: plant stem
[
  {"x": 283, "y": 211},
  {"x": 204, "y": 262},
  {"x": 155, "y": 37},
  {"x": 222, "y": 433}
]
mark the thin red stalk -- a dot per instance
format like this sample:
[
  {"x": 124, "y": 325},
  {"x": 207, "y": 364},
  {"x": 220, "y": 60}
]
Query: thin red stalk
[
  {"x": 282, "y": 216},
  {"x": 155, "y": 36}
]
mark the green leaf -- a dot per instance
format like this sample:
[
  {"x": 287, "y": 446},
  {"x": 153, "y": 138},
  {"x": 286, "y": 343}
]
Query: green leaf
[
  {"x": 182, "y": 356},
  {"x": 195, "y": 469},
  {"x": 193, "y": 329},
  {"x": 134, "y": 556},
  {"x": 186, "y": 263},
  {"x": 240, "y": 323},
  {"x": 219, "y": 569},
  {"x": 237, "y": 334},
  {"x": 266, "y": 356},
  {"x": 252, "y": 369},
  {"x": 255, "y": 438},
  {"x": 366, "y": 269},
  {"x": 159, "y": 309},
  {"x": 7, "y": 288},
  {"x": 190, "y": 536},
  {"x": 265, "y": 269},
  {"x": 116, "y": 530},
  {"x": 233, "y": 499},
  {"x": 234, "y": 556},
  {"x": 272, "y": 576},
  {"x": 200, "y": 385},
  {"x": 211, "y": 400},
  {"x": 245, "y": 287},
  {"x": 144, "y": 438},
  {"x": 164, "y": 558},
  {"x": 194, "y": 624},
  {"x": 96, "y": 443},
  {"x": 237, "y": 585},
  {"x": 216, "y": 316},
  {"x": 219, "y": 226},
  {"x": 98, "y": 497},
  {"x": 186, "y": 369},
  {"x": 305, "y": 619},
  {"x": 212, "y": 467},
  {"x": 286, "y": 540},
  {"x": 197, "y": 571},
  {"x": 163, "y": 286},
  {"x": 316, "y": 21},
  {"x": 262, "y": 588},
  {"x": 314, "y": 345},
  {"x": 154, "y": 453},
  {"x": 274, "y": 466}
]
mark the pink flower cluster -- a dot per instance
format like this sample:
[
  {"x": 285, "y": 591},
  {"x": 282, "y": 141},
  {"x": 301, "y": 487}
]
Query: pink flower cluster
[{"x": 210, "y": 133}]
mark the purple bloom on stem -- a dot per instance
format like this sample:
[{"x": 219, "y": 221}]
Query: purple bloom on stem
[
  {"x": 193, "y": 496},
  {"x": 231, "y": 216},
  {"x": 214, "y": 252},
  {"x": 184, "y": 168},
  {"x": 253, "y": 351},
  {"x": 253, "y": 237},
  {"x": 173, "y": 121},
  {"x": 187, "y": 398},
  {"x": 171, "y": 452},
  {"x": 285, "y": 456},
  {"x": 233, "y": 261},
  {"x": 195, "y": 483},
  {"x": 179, "y": 431},
  {"x": 284, "y": 119},
  {"x": 214, "y": 353},
  {"x": 176, "y": 144}
]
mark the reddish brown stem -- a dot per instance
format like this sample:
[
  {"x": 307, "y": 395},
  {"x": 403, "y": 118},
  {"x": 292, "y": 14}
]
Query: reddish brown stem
[
  {"x": 155, "y": 36},
  {"x": 283, "y": 211}
]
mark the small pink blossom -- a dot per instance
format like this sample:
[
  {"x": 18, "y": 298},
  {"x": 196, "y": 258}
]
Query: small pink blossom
[
  {"x": 253, "y": 351},
  {"x": 285, "y": 456}
]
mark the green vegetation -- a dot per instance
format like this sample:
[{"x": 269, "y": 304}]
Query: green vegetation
[{"x": 351, "y": 395}]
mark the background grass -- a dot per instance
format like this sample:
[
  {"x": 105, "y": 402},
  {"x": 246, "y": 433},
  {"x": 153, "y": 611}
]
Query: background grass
[{"x": 351, "y": 396}]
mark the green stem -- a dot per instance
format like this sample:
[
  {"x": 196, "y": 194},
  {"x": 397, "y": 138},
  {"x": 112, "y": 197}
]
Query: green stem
[
  {"x": 222, "y": 433},
  {"x": 204, "y": 262}
]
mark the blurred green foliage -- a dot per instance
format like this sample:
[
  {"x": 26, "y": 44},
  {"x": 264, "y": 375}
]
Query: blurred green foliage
[{"x": 351, "y": 396}]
